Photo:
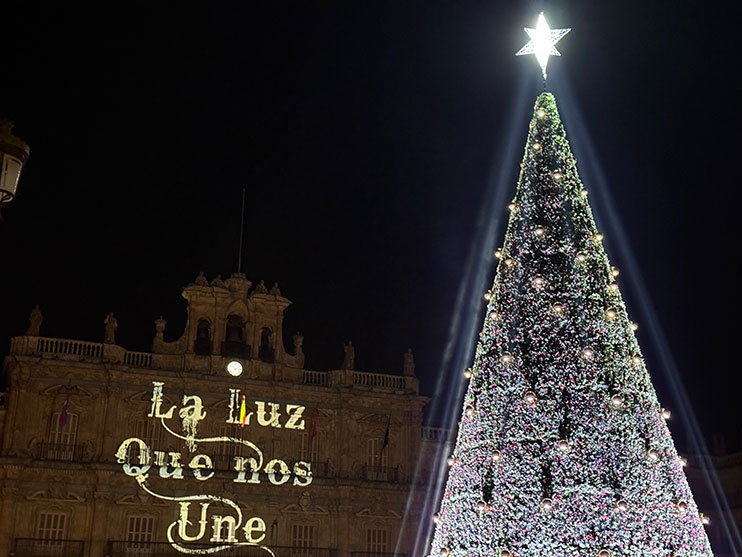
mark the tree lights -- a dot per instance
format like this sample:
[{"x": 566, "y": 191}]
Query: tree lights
[{"x": 568, "y": 452}]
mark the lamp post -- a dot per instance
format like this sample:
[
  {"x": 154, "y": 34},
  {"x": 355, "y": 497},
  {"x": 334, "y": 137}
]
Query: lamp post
[{"x": 13, "y": 156}]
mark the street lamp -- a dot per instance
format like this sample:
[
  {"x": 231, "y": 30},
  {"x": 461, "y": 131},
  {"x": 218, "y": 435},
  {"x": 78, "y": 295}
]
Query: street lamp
[{"x": 13, "y": 155}]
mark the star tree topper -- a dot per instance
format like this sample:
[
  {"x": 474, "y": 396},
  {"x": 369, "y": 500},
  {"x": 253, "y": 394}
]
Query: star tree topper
[{"x": 542, "y": 42}]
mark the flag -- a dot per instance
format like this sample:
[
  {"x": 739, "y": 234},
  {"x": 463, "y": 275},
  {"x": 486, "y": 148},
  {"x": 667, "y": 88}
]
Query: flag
[
  {"x": 386, "y": 433},
  {"x": 243, "y": 412},
  {"x": 313, "y": 432},
  {"x": 63, "y": 413}
]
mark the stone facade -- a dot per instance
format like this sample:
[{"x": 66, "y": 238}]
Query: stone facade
[{"x": 316, "y": 463}]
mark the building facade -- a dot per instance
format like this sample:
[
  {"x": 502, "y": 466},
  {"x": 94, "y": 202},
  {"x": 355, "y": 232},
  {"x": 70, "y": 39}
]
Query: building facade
[{"x": 219, "y": 442}]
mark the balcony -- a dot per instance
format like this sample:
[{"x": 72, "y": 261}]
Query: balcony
[
  {"x": 381, "y": 473},
  {"x": 235, "y": 349},
  {"x": 62, "y": 452},
  {"x": 32, "y": 547},
  {"x": 164, "y": 549}
]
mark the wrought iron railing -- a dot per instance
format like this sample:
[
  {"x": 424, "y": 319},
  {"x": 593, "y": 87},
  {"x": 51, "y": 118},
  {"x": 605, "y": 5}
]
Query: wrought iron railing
[
  {"x": 164, "y": 549},
  {"x": 61, "y": 451},
  {"x": 32, "y": 547},
  {"x": 381, "y": 473}
]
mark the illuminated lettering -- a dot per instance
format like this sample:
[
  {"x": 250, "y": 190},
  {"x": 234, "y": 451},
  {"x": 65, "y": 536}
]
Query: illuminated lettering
[
  {"x": 295, "y": 414},
  {"x": 216, "y": 529},
  {"x": 234, "y": 406},
  {"x": 201, "y": 462},
  {"x": 254, "y": 525},
  {"x": 239, "y": 466},
  {"x": 303, "y": 471},
  {"x": 268, "y": 418},
  {"x": 123, "y": 456},
  {"x": 174, "y": 462},
  {"x": 283, "y": 468},
  {"x": 157, "y": 402},
  {"x": 183, "y": 522}
]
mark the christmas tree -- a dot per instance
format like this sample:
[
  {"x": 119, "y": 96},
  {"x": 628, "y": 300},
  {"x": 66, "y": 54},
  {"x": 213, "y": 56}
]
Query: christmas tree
[{"x": 563, "y": 448}]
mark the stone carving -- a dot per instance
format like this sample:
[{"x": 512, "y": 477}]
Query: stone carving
[
  {"x": 218, "y": 282},
  {"x": 111, "y": 324},
  {"x": 408, "y": 365},
  {"x": 298, "y": 343},
  {"x": 350, "y": 356},
  {"x": 275, "y": 290},
  {"x": 261, "y": 288},
  {"x": 160, "y": 324},
  {"x": 34, "y": 322},
  {"x": 201, "y": 280}
]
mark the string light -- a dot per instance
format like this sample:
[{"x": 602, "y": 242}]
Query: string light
[
  {"x": 481, "y": 506},
  {"x": 538, "y": 232},
  {"x": 538, "y": 281},
  {"x": 467, "y": 373},
  {"x": 587, "y": 353},
  {"x": 511, "y": 206},
  {"x": 621, "y": 505},
  {"x": 536, "y": 147},
  {"x": 598, "y": 236},
  {"x": 498, "y": 253},
  {"x": 540, "y": 113},
  {"x": 488, "y": 295},
  {"x": 705, "y": 520},
  {"x": 469, "y": 411},
  {"x": 506, "y": 358},
  {"x": 492, "y": 315},
  {"x": 451, "y": 460},
  {"x": 581, "y": 257},
  {"x": 563, "y": 446},
  {"x": 496, "y": 456},
  {"x": 653, "y": 455},
  {"x": 557, "y": 175},
  {"x": 616, "y": 402},
  {"x": 610, "y": 314},
  {"x": 437, "y": 518},
  {"x": 682, "y": 506},
  {"x": 666, "y": 414},
  {"x": 557, "y": 308},
  {"x": 547, "y": 505},
  {"x": 530, "y": 398}
]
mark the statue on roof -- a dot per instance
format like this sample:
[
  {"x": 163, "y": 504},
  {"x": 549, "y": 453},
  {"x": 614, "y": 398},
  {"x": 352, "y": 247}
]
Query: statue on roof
[
  {"x": 111, "y": 324},
  {"x": 350, "y": 356},
  {"x": 34, "y": 322},
  {"x": 261, "y": 288},
  {"x": 275, "y": 290},
  {"x": 408, "y": 365},
  {"x": 201, "y": 280},
  {"x": 218, "y": 281}
]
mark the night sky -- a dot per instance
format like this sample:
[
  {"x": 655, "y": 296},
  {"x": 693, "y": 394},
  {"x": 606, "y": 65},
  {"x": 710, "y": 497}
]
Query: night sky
[{"x": 366, "y": 135}]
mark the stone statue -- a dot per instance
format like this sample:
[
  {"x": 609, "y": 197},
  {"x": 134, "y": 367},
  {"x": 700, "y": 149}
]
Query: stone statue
[
  {"x": 275, "y": 290},
  {"x": 111, "y": 326},
  {"x": 34, "y": 322},
  {"x": 350, "y": 356},
  {"x": 298, "y": 342},
  {"x": 260, "y": 288},
  {"x": 201, "y": 280},
  {"x": 160, "y": 324},
  {"x": 408, "y": 365},
  {"x": 218, "y": 282}
]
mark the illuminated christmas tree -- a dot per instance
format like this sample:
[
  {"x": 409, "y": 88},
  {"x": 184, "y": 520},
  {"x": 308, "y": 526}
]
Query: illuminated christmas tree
[{"x": 562, "y": 448}]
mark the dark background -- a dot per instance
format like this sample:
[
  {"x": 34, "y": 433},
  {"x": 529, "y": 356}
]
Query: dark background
[{"x": 366, "y": 135}]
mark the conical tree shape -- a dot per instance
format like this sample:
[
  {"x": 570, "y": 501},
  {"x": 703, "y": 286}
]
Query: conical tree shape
[{"x": 562, "y": 448}]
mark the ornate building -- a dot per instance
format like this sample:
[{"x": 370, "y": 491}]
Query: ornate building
[{"x": 220, "y": 442}]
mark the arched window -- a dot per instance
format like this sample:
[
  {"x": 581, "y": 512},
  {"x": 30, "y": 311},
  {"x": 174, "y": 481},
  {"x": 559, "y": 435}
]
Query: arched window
[
  {"x": 234, "y": 345},
  {"x": 202, "y": 344},
  {"x": 235, "y": 329},
  {"x": 266, "y": 352}
]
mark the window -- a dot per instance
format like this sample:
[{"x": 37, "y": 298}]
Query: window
[
  {"x": 202, "y": 345},
  {"x": 375, "y": 455},
  {"x": 302, "y": 540},
  {"x": 377, "y": 541},
  {"x": 62, "y": 437},
  {"x": 50, "y": 531},
  {"x": 52, "y": 526},
  {"x": 235, "y": 326},
  {"x": 139, "y": 531},
  {"x": 226, "y": 450},
  {"x": 308, "y": 447},
  {"x": 149, "y": 432}
]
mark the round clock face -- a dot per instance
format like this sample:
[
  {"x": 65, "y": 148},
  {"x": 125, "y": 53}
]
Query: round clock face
[{"x": 234, "y": 368}]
